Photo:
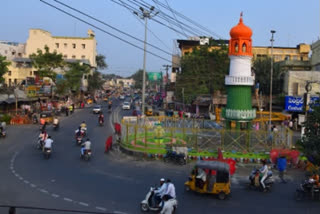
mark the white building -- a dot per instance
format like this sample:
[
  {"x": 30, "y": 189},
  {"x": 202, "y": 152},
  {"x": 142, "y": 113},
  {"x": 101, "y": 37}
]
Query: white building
[
  {"x": 12, "y": 50},
  {"x": 295, "y": 82},
  {"x": 127, "y": 83}
]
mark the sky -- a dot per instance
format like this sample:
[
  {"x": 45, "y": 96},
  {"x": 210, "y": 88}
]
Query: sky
[{"x": 295, "y": 21}]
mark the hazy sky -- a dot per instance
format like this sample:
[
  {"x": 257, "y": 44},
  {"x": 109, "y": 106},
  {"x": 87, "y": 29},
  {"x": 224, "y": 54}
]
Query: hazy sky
[{"x": 295, "y": 21}]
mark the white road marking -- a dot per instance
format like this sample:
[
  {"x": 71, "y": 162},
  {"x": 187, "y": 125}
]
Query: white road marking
[
  {"x": 101, "y": 208},
  {"x": 43, "y": 191},
  {"x": 68, "y": 199},
  {"x": 119, "y": 212},
  {"x": 21, "y": 178},
  {"x": 26, "y": 182},
  {"x": 84, "y": 204},
  {"x": 55, "y": 195},
  {"x": 33, "y": 185}
]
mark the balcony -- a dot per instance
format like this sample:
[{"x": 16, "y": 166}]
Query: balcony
[{"x": 239, "y": 80}]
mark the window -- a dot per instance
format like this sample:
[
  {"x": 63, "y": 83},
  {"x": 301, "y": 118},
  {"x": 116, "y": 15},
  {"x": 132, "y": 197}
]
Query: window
[
  {"x": 73, "y": 56},
  {"x": 65, "y": 45},
  {"x": 15, "y": 81},
  {"x": 13, "y": 53},
  {"x": 9, "y": 73},
  {"x": 65, "y": 56},
  {"x": 57, "y": 45},
  {"x": 287, "y": 57},
  {"x": 244, "y": 48},
  {"x": 20, "y": 54},
  {"x": 83, "y": 57},
  {"x": 83, "y": 46},
  {"x": 30, "y": 73},
  {"x": 10, "y": 82},
  {"x": 301, "y": 58},
  {"x": 236, "y": 47},
  {"x": 74, "y": 45}
]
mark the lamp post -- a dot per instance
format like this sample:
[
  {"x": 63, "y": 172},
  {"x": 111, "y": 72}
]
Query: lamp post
[
  {"x": 271, "y": 75},
  {"x": 146, "y": 14}
]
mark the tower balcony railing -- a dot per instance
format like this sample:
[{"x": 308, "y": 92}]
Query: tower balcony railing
[{"x": 239, "y": 80}]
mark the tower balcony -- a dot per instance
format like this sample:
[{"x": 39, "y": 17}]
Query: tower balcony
[
  {"x": 239, "y": 80},
  {"x": 236, "y": 114}
]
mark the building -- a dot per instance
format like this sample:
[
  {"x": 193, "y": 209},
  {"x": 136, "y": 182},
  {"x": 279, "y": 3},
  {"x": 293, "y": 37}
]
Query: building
[
  {"x": 72, "y": 48},
  {"x": 315, "y": 57},
  {"x": 127, "y": 83},
  {"x": 298, "y": 53},
  {"x": 19, "y": 70},
  {"x": 296, "y": 81},
  {"x": 11, "y": 50},
  {"x": 239, "y": 82}
]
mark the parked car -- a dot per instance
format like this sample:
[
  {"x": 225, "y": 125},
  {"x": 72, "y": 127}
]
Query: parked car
[
  {"x": 126, "y": 106},
  {"x": 97, "y": 109},
  {"x": 121, "y": 97}
]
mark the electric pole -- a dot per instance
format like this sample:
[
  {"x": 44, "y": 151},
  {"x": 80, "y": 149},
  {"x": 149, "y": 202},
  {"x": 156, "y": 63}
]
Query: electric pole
[
  {"x": 146, "y": 14},
  {"x": 271, "y": 75}
]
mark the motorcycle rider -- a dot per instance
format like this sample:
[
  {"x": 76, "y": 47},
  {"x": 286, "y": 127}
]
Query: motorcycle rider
[
  {"x": 42, "y": 137},
  {"x": 101, "y": 117},
  {"x": 171, "y": 190},
  {"x": 48, "y": 144},
  {"x": 56, "y": 121},
  {"x": 85, "y": 146},
  {"x": 264, "y": 171},
  {"x": 159, "y": 193}
]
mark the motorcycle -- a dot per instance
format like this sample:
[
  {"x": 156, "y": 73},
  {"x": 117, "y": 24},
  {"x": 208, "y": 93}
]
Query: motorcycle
[
  {"x": 148, "y": 205},
  {"x": 255, "y": 178},
  {"x": 3, "y": 133},
  {"x": 79, "y": 140},
  {"x": 86, "y": 155},
  {"x": 307, "y": 190},
  {"x": 174, "y": 157},
  {"x": 34, "y": 119},
  {"x": 56, "y": 126},
  {"x": 101, "y": 122},
  {"x": 39, "y": 144},
  {"x": 47, "y": 153}
]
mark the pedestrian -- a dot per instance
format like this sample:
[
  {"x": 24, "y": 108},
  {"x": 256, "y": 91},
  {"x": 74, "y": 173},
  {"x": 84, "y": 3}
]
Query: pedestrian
[
  {"x": 73, "y": 107},
  {"x": 108, "y": 144},
  {"x": 291, "y": 124},
  {"x": 282, "y": 165},
  {"x": 295, "y": 124},
  {"x": 67, "y": 111},
  {"x": 70, "y": 109}
]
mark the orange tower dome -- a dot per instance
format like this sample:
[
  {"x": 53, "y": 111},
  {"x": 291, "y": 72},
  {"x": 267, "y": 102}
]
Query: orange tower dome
[{"x": 240, "y": 42}]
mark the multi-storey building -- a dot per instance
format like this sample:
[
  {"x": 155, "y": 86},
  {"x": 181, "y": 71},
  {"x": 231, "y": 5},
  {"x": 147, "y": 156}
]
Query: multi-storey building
[
  {"x": 315, "y": 57},
  {"x": 11, "y": 50}
]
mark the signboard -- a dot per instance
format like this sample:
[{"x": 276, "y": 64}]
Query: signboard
[
  {"x": 154, "y": 76},
  {"x": 295, "y": 104}
]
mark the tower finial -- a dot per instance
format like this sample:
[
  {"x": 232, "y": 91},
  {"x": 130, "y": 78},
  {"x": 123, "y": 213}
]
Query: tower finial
[{"x": 241, "y": 15}]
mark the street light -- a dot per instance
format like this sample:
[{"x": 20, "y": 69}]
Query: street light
[
  {"x": 146, "y": 14},
  {"x": 271, "y": 75}
]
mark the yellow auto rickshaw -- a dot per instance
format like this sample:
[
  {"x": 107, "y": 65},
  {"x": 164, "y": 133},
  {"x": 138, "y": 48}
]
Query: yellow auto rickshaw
[
  {"x": 46, "y": 116},
  {"x": 148, "y": 111},
  {"x": 89, "y": 101},
  {"x": 210, "y": 177},
  {"x": 105, "y": 99}
]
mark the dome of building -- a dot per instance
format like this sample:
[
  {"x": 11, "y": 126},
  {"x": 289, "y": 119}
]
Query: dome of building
[{"x": 241, "y": 30}]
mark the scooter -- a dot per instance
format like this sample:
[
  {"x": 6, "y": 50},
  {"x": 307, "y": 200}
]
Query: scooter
[
  {"x": 34, "y": 119},
  {"x": 307, "y": 189},
  {"x": 47, "y": 153},
  {"x": 255, "y": 179},
  {"x": 3, "y": 133},
  {"x": 39, "y": 144},
  {"x": 56, "y": 126},
  {"x": 79, "y": 140},
  {"x": 148, "y": 205}
]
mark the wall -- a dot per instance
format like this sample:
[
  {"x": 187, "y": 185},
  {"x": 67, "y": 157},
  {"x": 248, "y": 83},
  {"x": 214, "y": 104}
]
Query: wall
[
  {"x": 17, "y": 73},
  {"x": 315, "y": 57},
  {"x": 11, "y": 49}
]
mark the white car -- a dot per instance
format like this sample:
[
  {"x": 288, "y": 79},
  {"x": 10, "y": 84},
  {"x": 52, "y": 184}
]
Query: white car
[
  {"x": 121, "y": 97},
  {"x": 126, "y": 106},
  {"x": 97, "y": 109}
]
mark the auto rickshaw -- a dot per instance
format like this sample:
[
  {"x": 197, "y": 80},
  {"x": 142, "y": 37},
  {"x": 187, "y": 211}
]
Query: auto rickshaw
[
  {"x": 148, "y": 110},
  {"x": 105, "y": 99},
  {"x": 46, "y": 116},
  {"x": 89, "y": 101},
  {"x": 216, "y": 180}
]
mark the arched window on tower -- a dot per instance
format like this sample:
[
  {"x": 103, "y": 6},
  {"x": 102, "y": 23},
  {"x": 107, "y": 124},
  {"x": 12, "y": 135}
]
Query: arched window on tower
[
  {"x": 244, "y": 48},
  {"x": 236, "y": 47}
]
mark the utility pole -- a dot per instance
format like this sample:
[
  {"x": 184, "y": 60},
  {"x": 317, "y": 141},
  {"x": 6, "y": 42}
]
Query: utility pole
[
  {"x": 271, "y": 75},
  {"x": 166, "y": 83},
  {"x": 146, "y": 14}
]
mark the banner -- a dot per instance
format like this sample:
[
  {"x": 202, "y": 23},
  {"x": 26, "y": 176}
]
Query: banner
[
  {"x": 295, "y": 104},
  {"x": 154, "y": 76}
]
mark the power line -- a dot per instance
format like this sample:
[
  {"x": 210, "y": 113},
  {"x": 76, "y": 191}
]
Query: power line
[
  {"x": 114, "y": 28},
  {"x": 173, "y": 14},
  {"x": 102, "y": 30}
]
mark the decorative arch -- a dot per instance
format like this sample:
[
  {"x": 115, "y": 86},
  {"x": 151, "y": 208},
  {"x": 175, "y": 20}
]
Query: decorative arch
[
  {"x": 244, "y": 47},
  {"x": 236, "y": 47}
]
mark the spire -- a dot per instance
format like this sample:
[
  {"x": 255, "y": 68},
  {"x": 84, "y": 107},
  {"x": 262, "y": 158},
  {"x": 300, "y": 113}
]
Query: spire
[{"x": 241, "y": 15}]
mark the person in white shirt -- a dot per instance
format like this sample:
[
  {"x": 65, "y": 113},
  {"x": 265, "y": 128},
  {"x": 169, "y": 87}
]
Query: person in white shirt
[
  {"x": 159, "y": 193},
  {"x": 264, "y": 171},
  {"x": 171, "y": 190},
  {"x": 55, "y": 121},
  {"x": 48, "y": 143},
  {"x": 85, "y": 146},
  {"x": 168, "y": 206}
]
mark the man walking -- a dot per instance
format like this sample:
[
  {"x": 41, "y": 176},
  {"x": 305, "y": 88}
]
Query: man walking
[{"x": 282, "y": 164}]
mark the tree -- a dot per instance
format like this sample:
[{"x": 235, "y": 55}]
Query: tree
[
  {"x": 74, "y": 74},
  {"x": 262, "y": 68},
  {"x": 47, "y": 62},
  {"x": 101, "y": 62},
  {"x": 3, "y": 67},
  {"x": 310, "y": 141},
  {"x": 137, "y": 77},
  {"x": 202, "y": 72},
  {"x": 95, "y": 82}
]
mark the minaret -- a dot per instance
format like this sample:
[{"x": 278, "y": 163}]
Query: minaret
[{"x": 239, "y": 82}]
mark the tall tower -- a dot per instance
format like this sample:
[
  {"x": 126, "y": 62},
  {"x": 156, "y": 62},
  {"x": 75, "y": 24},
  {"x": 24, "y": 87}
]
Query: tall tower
[{"x": 239, "y": 109}]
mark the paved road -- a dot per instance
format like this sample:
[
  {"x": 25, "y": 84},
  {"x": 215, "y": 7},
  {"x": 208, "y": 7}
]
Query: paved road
[{"x": 114, "y": 182}]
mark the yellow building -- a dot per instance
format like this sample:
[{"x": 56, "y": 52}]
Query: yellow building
[
  {"x": 19, "y": 70},
  {"x": 315, "y": 57},
  {"x": 298, "y": 53},
  {"x": 76, "y": 48}
]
